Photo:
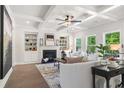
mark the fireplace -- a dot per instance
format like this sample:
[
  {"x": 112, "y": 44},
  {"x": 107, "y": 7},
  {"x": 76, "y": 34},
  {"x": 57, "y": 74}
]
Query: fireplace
[{"x": 50, "y": 55}]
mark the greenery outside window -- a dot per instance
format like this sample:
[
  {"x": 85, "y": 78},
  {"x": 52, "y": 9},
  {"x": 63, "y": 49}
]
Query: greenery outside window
[
  {"x": 113, "y": 39},
  {"x": 91, "y": 44},
  {"x": 78, "y": 44}
]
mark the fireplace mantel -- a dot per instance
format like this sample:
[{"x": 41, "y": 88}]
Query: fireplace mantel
[{"x": 58, "y": 54}]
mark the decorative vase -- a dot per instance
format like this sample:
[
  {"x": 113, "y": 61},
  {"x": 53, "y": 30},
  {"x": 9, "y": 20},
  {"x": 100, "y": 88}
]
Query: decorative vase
[{"x": 113, "y": 64}]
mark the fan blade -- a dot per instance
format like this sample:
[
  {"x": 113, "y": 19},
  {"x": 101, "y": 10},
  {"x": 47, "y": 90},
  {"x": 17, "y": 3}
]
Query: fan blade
[
  {"x": 61, "y": 23},
  {"x": 60, "y": 19},
  {"x": 60, "y": 28},
  {"x": 76, "y": 21}
]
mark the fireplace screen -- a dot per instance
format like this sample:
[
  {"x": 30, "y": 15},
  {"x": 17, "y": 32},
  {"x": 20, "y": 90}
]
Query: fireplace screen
[{"x": 50, "y": 55}]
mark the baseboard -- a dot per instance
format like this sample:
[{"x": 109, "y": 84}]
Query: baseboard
[
  {"x": 22, "y": 63},
  {"x": 3, "y": 81}
]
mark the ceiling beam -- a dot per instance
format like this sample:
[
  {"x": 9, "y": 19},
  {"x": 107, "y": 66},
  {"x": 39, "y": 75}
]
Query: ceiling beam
[
  {"x": 101, "y": 14},
  {"x": 94, "y": 13},
  {"x": 49, "y": 11},
  {"x": 110, "y": 8},
  {"x": 27, "y": 17}
]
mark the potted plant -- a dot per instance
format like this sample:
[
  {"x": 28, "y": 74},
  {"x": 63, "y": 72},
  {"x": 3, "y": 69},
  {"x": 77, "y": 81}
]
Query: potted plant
[{"x": 102, "y": 50}]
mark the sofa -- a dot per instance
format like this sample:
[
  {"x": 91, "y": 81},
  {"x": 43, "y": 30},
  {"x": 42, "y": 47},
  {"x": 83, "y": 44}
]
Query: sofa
[{"x": 76, "y": 75}]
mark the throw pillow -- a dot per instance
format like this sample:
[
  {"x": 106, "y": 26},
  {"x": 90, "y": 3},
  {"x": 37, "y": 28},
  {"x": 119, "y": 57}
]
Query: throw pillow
[{"x": 73, "y": 59}]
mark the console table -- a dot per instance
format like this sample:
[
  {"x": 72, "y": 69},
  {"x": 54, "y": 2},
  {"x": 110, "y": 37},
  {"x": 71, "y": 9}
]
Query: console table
[
  {"x": 108, "y": 73},
  {"x": 58, "y": 60}
]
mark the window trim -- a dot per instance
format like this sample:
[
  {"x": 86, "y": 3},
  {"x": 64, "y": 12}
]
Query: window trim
[
  {"x": 111, "y": 32},
  {"x": 87, "y": 40},
  {"x": 118, "y": 30}
]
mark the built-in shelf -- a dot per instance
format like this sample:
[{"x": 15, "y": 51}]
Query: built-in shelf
[
  {"x": 30, "y": 41},
  {"x": 63, "y": 43}
]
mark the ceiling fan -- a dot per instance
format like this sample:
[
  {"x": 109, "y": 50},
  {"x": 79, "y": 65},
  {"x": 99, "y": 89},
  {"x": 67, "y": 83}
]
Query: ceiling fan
[{"x": 68, "y": 20}]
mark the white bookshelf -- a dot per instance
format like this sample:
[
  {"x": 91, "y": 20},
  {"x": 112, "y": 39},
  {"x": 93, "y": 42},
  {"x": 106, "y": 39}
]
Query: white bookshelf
[
  {"x": 30, "y": 41},
  {"x": 63, "y": 43}
]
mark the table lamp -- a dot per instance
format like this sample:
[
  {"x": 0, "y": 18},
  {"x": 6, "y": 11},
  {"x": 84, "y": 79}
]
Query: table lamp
[{"x": 114, "y": 47}]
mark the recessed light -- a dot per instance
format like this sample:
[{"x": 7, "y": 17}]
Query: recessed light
[{"x": 27, "y": 22}]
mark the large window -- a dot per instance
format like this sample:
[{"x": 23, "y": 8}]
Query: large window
[
  {"x": 113, "y": 40},
  {"x": 78, "y": 44},
  {"x": 91, "y": 44}
]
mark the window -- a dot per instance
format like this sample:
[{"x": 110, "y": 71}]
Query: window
[
  {"x": 113, "y": 40},
  {"x": 91, "y": 44},
  {"x": 78, "y": 44}
]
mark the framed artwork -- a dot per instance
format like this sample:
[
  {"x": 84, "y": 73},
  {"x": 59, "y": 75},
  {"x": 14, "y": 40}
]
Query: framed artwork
[
  {"x": 49, "y": 39},
  {"x": 5, "y": 41}
]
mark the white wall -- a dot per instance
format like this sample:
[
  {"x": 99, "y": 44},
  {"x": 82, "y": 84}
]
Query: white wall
[
  {"x": 21, "y": 56},
  {"x": 111, "y": 27},
  {"x": 99, "y": 31}
]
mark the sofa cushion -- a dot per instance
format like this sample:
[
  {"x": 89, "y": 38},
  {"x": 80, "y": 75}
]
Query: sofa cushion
[{"x": 73, "y": 59}]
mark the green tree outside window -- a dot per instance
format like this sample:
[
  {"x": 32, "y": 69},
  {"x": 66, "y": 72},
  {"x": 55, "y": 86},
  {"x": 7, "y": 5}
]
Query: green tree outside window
[
  {"x": 78, "y": 44},
  {"x": 91, "y": 42},
  {"x": 113, "y": 38}
]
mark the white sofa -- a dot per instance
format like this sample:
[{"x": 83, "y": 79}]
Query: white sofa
[{"x": 76, "y": 75}]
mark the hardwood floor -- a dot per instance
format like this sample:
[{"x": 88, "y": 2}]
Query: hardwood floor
[{"x": 26, "y": 76}]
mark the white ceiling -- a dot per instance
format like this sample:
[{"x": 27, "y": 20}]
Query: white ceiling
[
  {"x": 31, "y": 10},
  {"x": 44, "y": 16}
]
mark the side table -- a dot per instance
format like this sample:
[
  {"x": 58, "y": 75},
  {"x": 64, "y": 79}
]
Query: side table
[{"x": 108, "y": 73}]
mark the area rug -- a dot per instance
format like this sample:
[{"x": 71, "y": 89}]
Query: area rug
[{"x": 50, "y": 74}]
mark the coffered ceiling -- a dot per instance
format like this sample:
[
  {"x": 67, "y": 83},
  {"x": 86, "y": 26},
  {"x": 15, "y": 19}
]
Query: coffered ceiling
[{"x": 44, "y": 16}]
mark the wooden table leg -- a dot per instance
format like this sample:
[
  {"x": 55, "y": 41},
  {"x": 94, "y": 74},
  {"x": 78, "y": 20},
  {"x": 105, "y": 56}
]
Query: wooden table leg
[
  {"x": 122, "y": 76},
  {"x": 107, "y": 82},
  {"x": 93, "y": 80}
]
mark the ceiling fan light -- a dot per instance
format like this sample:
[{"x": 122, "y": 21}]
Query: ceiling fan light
[{"x": 67, "y": 23}]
